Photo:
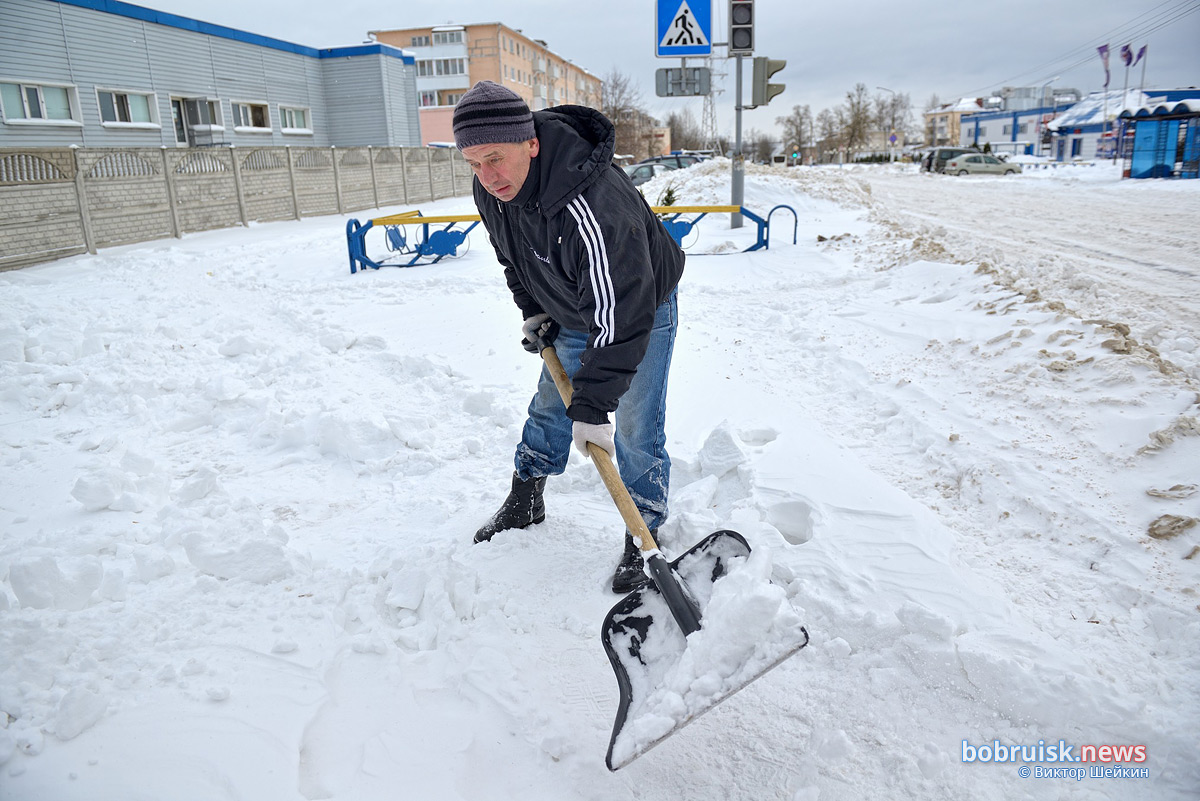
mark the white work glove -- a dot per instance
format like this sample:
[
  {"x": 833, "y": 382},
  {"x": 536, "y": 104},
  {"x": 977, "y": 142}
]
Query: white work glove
[
  {"x": 539, "y": 325},
  {"x": 602, "y": 435}
]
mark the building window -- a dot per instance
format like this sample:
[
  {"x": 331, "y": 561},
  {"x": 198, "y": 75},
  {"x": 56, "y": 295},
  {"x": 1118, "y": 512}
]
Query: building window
[
  {"x": 251, "y": 115},
  {"x": 126, "y": 107},
  {"x": 294, "y": 120},
  {"x": 27, "y": 101},
  {"x": 453, "y": 98},
  {"x": 201, "y": 111},
  {"x": 447, "y": 37},
  {"x": 420, "y": 41},
  {"x": 428, "y": 99},
  {"x": 441, "y": 66}
]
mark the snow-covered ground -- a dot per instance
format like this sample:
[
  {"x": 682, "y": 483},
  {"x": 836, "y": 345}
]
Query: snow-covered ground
[{"x": 960, "y": 415}]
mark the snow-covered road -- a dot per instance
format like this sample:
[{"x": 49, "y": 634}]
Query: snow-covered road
[{"x": 1128, "y": 252}]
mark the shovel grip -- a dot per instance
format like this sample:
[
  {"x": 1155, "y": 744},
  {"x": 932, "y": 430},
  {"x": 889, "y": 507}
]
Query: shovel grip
[{"x": 604, "y": 464}]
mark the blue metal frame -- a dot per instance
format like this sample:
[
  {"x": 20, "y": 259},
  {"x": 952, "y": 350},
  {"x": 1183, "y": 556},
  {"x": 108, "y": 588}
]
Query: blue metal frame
[
  {"x": 679, "y": 228},
  {"x": 436, "y": 245},
  {"x": 432, "y": 247}
]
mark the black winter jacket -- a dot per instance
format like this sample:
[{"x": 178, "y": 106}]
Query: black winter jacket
[{"x": 581, "y": 244}]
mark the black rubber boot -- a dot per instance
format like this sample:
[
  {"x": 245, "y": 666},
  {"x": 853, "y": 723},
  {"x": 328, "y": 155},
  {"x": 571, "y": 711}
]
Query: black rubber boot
[
  {"x": 630, "y": 572},
  {"x": 523, "y": 507}
]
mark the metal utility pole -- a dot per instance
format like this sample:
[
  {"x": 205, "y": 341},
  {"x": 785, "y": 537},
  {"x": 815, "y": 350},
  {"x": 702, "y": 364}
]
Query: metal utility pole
[
  {"x": 712, "y": 138},
  {"x": 891, "y": 122},
  {"x": 739, "y": 164},
  {"x": 741, "y": 43}
]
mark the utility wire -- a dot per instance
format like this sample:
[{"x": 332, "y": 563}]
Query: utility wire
[{"x": 1135, "y": 29}]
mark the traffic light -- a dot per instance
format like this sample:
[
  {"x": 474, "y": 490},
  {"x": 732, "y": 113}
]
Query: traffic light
[
  {"x": 741, "y": 27},
  {"x": 761, "y": 92}
]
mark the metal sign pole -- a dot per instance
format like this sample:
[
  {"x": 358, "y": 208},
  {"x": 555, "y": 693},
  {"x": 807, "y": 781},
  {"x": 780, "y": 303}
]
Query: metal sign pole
[{"x": 739, "y": 166}]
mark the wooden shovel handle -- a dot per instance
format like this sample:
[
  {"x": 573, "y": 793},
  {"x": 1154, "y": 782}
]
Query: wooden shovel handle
[{"x": 604, "y": 464}]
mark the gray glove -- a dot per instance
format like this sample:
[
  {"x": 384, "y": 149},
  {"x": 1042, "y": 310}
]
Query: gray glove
[
  {"x": 539, "y": 325},
  {"x": 602, "y": 435}
]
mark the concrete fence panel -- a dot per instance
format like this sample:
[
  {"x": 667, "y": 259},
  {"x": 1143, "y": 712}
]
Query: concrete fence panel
[
  {"x": 57, "y": 202},
  {"x": 315, "y": 189},
  {"x": 40, "y": 218},
  {"x": 267, "y": 184},
  {"x": 417, "y": 178},
  {"x": 354, "y": 178},
  {"x": 126, "y": 195},
  {"x": 205, "y": 189},
  {"x": 389, "y": 176}
]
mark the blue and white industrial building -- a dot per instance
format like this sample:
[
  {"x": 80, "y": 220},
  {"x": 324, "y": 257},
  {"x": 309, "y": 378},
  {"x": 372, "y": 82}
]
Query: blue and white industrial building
[
  {"x": 1069, "y": 129},
  {"x": 102, "y": 73}
]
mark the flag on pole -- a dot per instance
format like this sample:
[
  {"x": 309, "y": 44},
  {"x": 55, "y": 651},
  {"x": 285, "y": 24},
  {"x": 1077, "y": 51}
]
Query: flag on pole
[
  {"x": 1127, "y": 55},
  {"x": 1103, "y": 50},
  {"x": 1140, "y": 53}
]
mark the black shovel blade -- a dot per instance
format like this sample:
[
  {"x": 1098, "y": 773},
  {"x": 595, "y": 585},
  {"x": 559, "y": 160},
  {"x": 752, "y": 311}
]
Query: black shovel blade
[{"x": 641, "y": 636}]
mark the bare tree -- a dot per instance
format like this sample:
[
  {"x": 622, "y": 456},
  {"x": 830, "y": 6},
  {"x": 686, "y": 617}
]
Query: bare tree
[
  {"x": 797, "y": 127},
  {"x": 857, "y": 110},
  {"x": 621, "y": 102},
  {"x": 758, "y": 146},
  {"x": 685, "y": 131},
  {"x": 829, "y": 133},
  {"x": 893, "y": 114}
]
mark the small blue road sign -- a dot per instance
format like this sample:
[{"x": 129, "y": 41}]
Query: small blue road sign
[{"x": 684, "y": 28}]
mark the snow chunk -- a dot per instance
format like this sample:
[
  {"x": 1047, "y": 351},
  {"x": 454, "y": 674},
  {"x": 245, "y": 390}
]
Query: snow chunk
[
  {"x": 240, "y": 345},
  {"x": 337, "y": 341},
  {"x": 12, "y": 343},
  {"x": 255, "y": 560},
  {"x": 202, "y": 483},
  {"x": 8, "y": 746},
  {"x": 78, "y": 711},
  {"x": 42, "y": 584},
  {"x": 153, "y": 563},
  {"x": 103, "y": 489},
  {"x": 721, "y": 452},
  {"x": 407, "y": 589}
]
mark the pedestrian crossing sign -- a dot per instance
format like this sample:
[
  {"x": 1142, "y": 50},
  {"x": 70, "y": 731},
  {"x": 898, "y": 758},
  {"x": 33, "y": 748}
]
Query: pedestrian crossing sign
[{"x": 684, "y": 28}]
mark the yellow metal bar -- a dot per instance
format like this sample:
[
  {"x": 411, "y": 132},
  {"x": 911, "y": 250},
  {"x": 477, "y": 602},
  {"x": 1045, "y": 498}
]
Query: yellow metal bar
[
  {"x": 413, "y": 218},
  {"x": 694, "y": 209}
]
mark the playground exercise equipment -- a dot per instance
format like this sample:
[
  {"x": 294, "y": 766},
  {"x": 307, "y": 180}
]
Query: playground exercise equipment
[{"x": 429, "y": 246}]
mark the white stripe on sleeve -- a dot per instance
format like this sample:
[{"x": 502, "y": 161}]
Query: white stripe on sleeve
[{"x": 602, "y": 286}]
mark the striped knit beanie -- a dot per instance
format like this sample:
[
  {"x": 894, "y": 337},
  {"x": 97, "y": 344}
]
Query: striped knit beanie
[{"x": 489, "y": 114}]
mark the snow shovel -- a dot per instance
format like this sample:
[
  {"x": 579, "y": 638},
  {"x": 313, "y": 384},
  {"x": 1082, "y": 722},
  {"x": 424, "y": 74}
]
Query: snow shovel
[{"x": 668, "y": 675}]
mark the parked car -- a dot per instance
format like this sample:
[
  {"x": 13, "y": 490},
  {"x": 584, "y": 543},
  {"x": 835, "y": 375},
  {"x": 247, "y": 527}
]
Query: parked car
[
  {"x": 642, "y": 172},
  {"x": 674, "y": 160},
  {"x": 935, "y": 160},
  {"x": 980, "y": 164}
]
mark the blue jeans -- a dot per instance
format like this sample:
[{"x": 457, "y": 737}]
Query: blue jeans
[{"x": 639, "y": 421}]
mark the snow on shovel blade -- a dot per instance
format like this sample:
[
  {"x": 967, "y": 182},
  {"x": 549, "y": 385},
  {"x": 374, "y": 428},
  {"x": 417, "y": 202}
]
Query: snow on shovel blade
[{"x": 748, "y": 626}]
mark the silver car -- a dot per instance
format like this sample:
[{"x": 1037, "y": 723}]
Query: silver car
[{"x": 980, "y": 164}]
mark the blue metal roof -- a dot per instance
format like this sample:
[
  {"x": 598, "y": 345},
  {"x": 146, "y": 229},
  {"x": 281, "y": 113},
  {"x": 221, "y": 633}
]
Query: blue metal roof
[
  {"x": 1181, "y": 108},
  {"x": 209, "y": 29}
]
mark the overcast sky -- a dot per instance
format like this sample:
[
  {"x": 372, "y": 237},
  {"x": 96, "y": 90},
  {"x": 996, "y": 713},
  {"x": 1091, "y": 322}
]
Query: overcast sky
[{"x": 918, "y": 47}]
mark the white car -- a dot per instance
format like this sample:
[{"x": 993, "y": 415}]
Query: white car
[{"x": 980, "y": 164}]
